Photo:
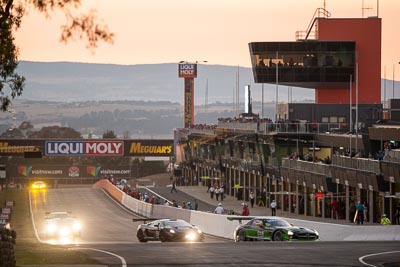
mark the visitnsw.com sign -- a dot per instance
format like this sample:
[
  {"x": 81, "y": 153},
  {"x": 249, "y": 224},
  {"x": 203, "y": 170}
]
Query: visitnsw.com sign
[{"x": 62, "y": 171}]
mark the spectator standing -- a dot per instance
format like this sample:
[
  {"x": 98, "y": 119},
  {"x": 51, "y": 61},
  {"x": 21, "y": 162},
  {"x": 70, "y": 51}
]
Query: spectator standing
[
  {"x": 385, "y": 220},
  {"x": 245, "y": 210},
  {"x": 174, "y": 187},
  {"x": 273, "y": 207},
  {"x": 360, "y": 213},
  {"x": 208, "y": 185},
  {"x": 335, "y": 209},
  {"x": 221, "y": 193},
  {"x": 216, "y": 192},
  {"x": 365, "y": 212},
  {"x": 212, "y": 192},
  {"x": 219, "y": 209},
  {"x": 397, "y": 214},
  {"x": 196, "y": 205},
  {"x": 251, "y": 196}
]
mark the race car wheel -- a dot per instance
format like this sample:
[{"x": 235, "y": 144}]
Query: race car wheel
[
  {"x": 241, "y": 236},
  {"x": 278, "y": 236},
  {"x": 163, "y": 238},
  {"x": 141, "y": 237}
]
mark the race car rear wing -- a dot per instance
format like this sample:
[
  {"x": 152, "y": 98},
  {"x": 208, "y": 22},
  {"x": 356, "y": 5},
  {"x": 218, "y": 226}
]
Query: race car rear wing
[
  {"x": 144, "y": 220},
  {"x": 240, "y": 218}
]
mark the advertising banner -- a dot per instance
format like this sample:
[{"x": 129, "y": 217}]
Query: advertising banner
[
  {"x": 84, "y": 148},
  {"x": 62, "y": 171},
  {"x": 69, "y": 148},
  {"x": 189, "y": 103},
  {"x": 17, "y": 147},
  {"x": 187, "y": 70},
  {"x": 149, "y": 147}
]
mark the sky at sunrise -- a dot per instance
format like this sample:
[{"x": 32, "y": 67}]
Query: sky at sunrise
[{"x": 218, "y": 31}]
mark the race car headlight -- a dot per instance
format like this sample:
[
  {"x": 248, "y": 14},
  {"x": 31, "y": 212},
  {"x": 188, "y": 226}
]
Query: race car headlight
[
  {"x": 199, "y": 231},
  {"x": 316, "y": 232},
  {"x": 64, "y": 231},
  {"x": 172, "y": 231},
  {"x": 51, "y": 228},
  {"x": 290, "y": 233},
  {"x": 76, "y": 226},
  {"x": 190, "y": 236}
]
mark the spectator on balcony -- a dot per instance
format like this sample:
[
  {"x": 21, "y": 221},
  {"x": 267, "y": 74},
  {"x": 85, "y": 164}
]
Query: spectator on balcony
[{"x": 327, "y": 160}]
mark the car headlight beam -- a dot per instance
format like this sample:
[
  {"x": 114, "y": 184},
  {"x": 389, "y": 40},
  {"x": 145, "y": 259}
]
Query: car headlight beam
[
  {"x": 51, "y": 228},
  {"x": 76, "y": 226},
  {"x": 190, "y": 236}
]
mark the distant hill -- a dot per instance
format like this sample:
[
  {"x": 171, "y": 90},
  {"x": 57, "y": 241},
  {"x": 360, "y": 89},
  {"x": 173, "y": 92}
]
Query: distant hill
[
  {"x": 67, "y": 82},
  {"x": 141, "y": 101}
]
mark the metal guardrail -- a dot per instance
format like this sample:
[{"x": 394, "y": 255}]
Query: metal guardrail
[
  {"x": 365, "y": 164},
  {"x": 393, "y": 156},
  {"x": 307, "y": 166},
  {"x": 285, "y": 127}
]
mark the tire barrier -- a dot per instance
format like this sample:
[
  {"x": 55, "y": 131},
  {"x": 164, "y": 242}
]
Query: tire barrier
[{"x": 7, "y": 247}]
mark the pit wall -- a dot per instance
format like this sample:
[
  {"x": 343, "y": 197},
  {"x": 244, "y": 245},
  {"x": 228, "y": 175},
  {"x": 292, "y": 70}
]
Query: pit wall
[{"x": 209, "y": 223}]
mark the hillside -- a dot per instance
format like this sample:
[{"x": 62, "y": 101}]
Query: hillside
[
  {"x": 67, "y": 82},
  {"x": 143, "y": 101}
]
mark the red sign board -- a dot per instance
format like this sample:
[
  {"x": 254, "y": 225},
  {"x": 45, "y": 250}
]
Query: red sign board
[{"x": 319, "y": 195}]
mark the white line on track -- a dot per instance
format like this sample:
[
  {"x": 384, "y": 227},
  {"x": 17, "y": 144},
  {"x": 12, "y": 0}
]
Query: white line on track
[
  {"x": 123, "y": 261},
  {"x": 361, "y": 259},
  {"x": 32, "y": 219}
]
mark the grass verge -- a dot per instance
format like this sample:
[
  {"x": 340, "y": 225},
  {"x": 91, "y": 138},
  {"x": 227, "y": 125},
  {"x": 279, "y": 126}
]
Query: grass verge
[{"x": 28, "y": 250}]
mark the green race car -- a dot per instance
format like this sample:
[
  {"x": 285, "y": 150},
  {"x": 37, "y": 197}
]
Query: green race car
[{"x": 270, "y": 229}]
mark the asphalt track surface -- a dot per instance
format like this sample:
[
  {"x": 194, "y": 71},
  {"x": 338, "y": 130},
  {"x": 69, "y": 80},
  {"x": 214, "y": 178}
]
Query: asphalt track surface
[{"x": 109, "y": 235}]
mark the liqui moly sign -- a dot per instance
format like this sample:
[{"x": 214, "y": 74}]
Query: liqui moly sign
[
  {"x": 187, "y": 70},
  {"x": 84, "y": 148}
]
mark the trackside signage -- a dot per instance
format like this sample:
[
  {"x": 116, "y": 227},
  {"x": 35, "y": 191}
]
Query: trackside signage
[
  {"x": 84, "y": 148},
  {"x": 187, "y": 70},
  {"x": 149, "y": 148}
]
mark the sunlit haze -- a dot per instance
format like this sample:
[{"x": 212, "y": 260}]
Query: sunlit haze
[{"x": 160, "y": 31}]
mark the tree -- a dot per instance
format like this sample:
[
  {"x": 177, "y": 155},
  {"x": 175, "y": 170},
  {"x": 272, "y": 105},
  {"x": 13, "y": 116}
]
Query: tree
[
  {"x": 56, "y": 132},
  {"x": 84, "y": 26},
  {"x": 109, "y": 134}
]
